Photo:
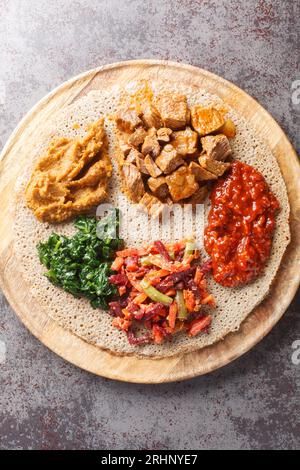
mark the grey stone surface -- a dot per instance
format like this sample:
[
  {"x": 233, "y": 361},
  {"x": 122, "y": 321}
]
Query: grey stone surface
[{"x": 46, "y": 403}]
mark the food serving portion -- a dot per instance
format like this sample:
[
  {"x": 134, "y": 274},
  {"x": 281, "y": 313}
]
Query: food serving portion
[
  {"x": 241, "y": 224},
  {"x": 162, "y": 291},
  {"x": 72, "y": 177},
  {"x": 161, "y": 142},
  {"x": 167, "y": 152}
]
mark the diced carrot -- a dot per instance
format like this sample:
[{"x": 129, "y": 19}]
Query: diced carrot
[
  {"x": 140, "y": 298},
  {"x": 199, "y": 325},
  {"x": 134, "y": 282},
  {"x": 198, "y": 276},
  {"x": 117, "y": 264},
  {"x": 209, "y": 299},
  {"x": 173, "y": 309},
  {"x": 187, "y": 261},
  {"x": 131, "y": 265},
  {"x": 189, "y": 300},
  {"x": 157, "y": 334},
  {"x": 127, "y": 314},
  {"x": 171, "y": 292},
  {"x": 121, "y": 324},
  {"x": 158, "y": 273}
]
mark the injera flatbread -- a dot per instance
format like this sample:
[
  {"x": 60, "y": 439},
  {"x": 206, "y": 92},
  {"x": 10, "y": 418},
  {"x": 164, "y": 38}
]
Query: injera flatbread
[{"x": 94, "y": 326}]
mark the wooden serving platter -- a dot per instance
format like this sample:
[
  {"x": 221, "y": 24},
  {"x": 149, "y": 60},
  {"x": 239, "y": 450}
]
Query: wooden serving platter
[{"x": 129, "y": 368}]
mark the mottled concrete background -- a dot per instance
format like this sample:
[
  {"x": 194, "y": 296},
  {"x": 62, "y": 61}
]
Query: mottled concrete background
[{"x": 46, "y": 403}]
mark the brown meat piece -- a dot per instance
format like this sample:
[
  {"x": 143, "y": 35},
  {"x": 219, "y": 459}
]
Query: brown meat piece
[
  {"x": 151, "y": 146},
  {"x": 185, "y": 142},
  {"x": 216, "y": 147},
  {"x": 173, "y": 109},
  {"x": 150, "y": 115},
  {"x": 213, "y": 166},
  {"x": 206, "y": 120},
  {"x": 151, "y": 166},
  {"x": 182, "y": 184},
  {"x": 124, "y": 146},
  {"x": 138, "y": 137},
  {"x": 200, "y": 173},
  {"x": 140, "y": 163},
  {"x": 169, "y": 160},
  {"x": 164, "y": 134},
  {"x": 199, "y": 196},
  {"x": 133, "y": 184},
  {"x": 158, "y": 186},
  {"x": 127, "y": 119},
  {"x": 152, "y": 205}
]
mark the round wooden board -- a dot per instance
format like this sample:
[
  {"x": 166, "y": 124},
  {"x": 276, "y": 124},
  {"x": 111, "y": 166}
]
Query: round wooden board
[{"x": 129, "y": 368}]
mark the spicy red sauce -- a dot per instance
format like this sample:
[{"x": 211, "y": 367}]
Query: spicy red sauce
[{"x": 240, "y": 225}]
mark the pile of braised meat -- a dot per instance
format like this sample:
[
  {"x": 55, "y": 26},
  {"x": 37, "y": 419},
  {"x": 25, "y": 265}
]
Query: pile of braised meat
[{"x": 168, "y": 152}]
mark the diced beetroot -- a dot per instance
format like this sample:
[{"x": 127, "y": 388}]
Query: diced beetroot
[
  {"x": 179, "y": 255},
  {"x": 159, "y": 334},
  {"x": 115, "y": 309},
  {"x": 164, "y": 285},
  {"x": 162, "y": 250},
  {"x": 154, "y": 309},
  {"x": 179, "y": 285},
  {"x": 206, "y": 267},
  {"x": 118, "y": 279},
  {"x": 136, "y": 341}
]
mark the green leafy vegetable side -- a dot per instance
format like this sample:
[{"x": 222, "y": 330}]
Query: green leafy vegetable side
[{"x": 81, "y": 264}]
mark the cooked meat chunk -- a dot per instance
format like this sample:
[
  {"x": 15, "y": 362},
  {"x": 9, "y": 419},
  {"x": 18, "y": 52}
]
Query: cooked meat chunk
[
  {"x": 216, "y": 147},
  {"x": 150, "y": 115},
  {"x": 228, "y": 129},
  {"x": 163, "y": 134},
  {"x": 151, "y": 166},
  {"x": 158, "y": 186},
  {"x": 200, "y": 173},
  {"x": 152, "y": 205},
  {"x": 199, "y": 196},
  {"x": 206, "y": 120},
  {"x": 182, "y": 184},
  {"x": 151, "y": 146},
  {"x": 127, "y": 120},
  {"x": 124, "y": 146},
  {"x": 133, "y": 184},
  {"x": 185, "y": 142},
  {"x": 169, "y": 160},
  {"x": 138, "y": 137},
  {"x": 213, "y": 166},
  {"x": 173, "y": 109}
]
